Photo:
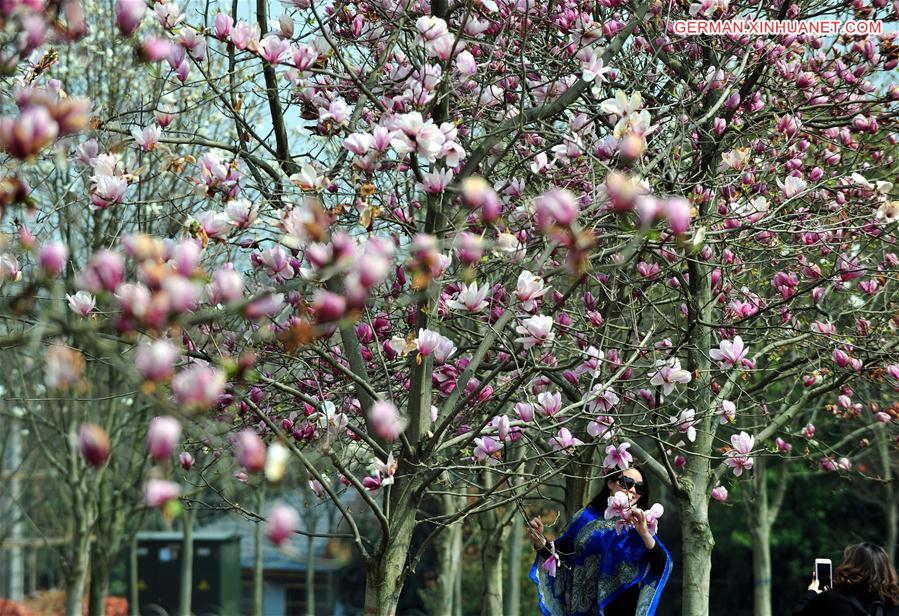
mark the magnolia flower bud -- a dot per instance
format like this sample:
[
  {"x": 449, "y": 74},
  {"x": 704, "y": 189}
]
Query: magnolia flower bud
[
  {"x": 283, "y": 521},
  {"x": 53, "y": 258},
  {"x": 162, "y": 436},
  {"x": 93, "y": 444},
  {"x": 250, "y": 451},
  {"x": 186, "y": 460}
]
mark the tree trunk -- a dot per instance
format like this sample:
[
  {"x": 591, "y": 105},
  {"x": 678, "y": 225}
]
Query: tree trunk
[
  {"x": 761, "y": 569},
  {"x": 493, "y": 544},
  {"x": 257, "y": 556},
  {"x": 697, "y": 549},
  {"x": 186, "y": 585},
  {"x": 759, "y": 520},
  {"x": 133, "y": 591},
  {"x": 386, "y": 571},
  {"x": 891, "y": 507},
  {"x": 513, "y": 585},
  {"x": 449, "y": 559},
  {"x": 310, "y": 577},
  {"x": 99, "y": 584},
  {"x": 76, "y": 579}
]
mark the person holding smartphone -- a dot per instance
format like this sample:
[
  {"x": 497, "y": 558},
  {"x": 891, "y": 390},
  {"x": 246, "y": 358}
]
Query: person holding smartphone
[
  {"x": 864, "y": 584},
  {"x": 592, "y": 568}
]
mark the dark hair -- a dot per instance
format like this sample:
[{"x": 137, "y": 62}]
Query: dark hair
[
  {"x": 599, "y": 501},
  {"x": 867, "y": 573}
]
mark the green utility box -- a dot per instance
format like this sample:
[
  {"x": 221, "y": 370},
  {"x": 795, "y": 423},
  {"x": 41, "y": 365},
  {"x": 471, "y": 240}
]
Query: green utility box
[{"x": 216, "y": 573}]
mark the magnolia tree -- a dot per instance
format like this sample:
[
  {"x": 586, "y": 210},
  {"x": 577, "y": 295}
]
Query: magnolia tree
[{"x": 460, "y": 250}]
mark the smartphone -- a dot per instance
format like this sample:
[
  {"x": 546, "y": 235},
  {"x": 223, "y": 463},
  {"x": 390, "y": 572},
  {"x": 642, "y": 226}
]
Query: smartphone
[{"x": 824, "y": 573}]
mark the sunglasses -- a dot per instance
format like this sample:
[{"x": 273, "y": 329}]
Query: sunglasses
[{"x": 628, "y": 482}]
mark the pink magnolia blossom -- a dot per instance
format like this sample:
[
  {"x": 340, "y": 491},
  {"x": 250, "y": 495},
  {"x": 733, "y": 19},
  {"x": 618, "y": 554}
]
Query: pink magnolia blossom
[
  {"x": 386, "y": 420},
  {"x": 198, "y": 387},
  {"x": 487, "y": 450},
  {"x": 93, "y": 444},
  {"x": 274, "y": 49},
  {"x": 282, "y": 522},
  {"x": 550, "y": 403},
  {"x": 738, "y": 458},
  {"x": 726, "y": 412},
  {"x": 53, "y": 257},
  {"x": 129, "y": 14},
  {"x": 227, "y": 286},
  {"x": 501, "y": 424},
  {"x": 719, "y": 493},
  {"x": 146, "y": 138},
  {"x": 156, "y": 361},
  {"x": 536, "y": 330},
  {"x": 730, "y": 354},
  {"x": 28, "y": 133},
  {"x": 328, "y": 307},
  {"x": 782, "y": 445},
  {"x": 186, "y": 460},
  {"x": 564, "y": 441},
  {"x": 808, "y": 431},
  {"x": 686, "y": 423},
  {"x": 104, "y": 272},
  {"x": 529, "y": 290},
  {"x": 317, "y": 488},
  {"x": 108, "y": 190},
  {"x": 555, "y": 207},
  {"x": 443, "y": 351},
  {"x": 602, "y": 399},
  {"x": 525, "y": 411},
  {"x": 471, "y": 298},
  {"x": 250, "y": 451},
  {"x": 427, "y": 342},
  {"x": 163, "y": 435},
  {"x": 618, "y": 506},
  {"x": 667, "y": 373},
  {"x": 618, "y": 457},
  {"x": 652, "y": 516},
  {"x": 602, "y": 426},
  {"x": 81, "y": 303},
  {"x": 387, "y": 469},
  {"x": 158, "y": 492},
  {"x": 371, "y": 483},
  {"x": 551, "y": 564}
]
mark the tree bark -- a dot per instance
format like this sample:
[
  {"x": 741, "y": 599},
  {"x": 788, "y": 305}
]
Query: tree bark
[
  {"x": 257, "y": 557},
  {"x": 186, "y": 585},
  {"x": 697, "y": 552},
  {"x": 386, "y": 571},
  {"x": 133, "y": 578},
  {"x": 891, "y": 507},
  {"x": 99, "y": 583},
  {"x": 449, "y": 558},
  {"x": 493, "y": 543},
  {"x": 760, "y": 519},
  {"x": 76, "y": 578},
  {"x": 513, "y": 584},
  {"x": 310, "y": 576}
]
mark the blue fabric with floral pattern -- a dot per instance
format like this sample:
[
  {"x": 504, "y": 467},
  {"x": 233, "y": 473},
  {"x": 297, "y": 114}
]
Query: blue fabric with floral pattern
[{"x": 597, "y": 564}]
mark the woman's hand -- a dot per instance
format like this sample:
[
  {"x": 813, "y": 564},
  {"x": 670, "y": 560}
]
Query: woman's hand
[
  {"x": 642, "y": 528},
  {"x": 535, "y": 532},
  {"x": 814, "y": 584}
]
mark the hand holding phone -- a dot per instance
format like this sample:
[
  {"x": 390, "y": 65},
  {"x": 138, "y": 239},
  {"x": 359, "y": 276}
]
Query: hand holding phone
[{"x": 824, "y": 573}]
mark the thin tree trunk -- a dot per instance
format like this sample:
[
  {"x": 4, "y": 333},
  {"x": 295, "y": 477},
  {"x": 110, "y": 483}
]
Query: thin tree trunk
[
  {"x": 134, "y": 592},
  {"x": 186, "y": 585},
  {"x": 697, "y": 554},
  {"x": 513, "y": 585},
  {"x": 99, "y": 583},
  {"x": 890, "y": 505},
  {"x": 761, "y": 568},
  {"x": 493, "y": 538},
  {"x": 257, "y": 557},
  {"x": 310, "y": 577},
  {"x": 386, "y": 572},
  {"x": 449, "y": 559},
  {"x": 77, "y": 578},
  {"x": 759, "y": 522}
]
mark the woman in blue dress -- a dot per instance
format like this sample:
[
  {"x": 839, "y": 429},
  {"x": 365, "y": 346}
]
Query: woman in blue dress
[{"x": 596, "y": 567}]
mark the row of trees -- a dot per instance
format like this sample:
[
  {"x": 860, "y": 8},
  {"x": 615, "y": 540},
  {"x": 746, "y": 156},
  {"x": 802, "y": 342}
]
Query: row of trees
[{"x": 441, "y": 253}]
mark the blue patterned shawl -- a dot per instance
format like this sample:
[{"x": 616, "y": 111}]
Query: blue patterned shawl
[{"x": 597, "y": 565}]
